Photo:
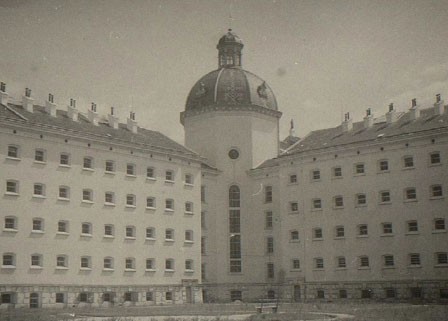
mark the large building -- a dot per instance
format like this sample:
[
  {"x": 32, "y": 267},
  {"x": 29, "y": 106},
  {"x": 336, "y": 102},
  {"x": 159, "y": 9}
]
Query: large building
[{"x": 96, "y": 212}]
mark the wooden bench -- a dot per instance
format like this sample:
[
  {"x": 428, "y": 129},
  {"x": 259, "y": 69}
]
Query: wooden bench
[{"x": 267, "y": 307}]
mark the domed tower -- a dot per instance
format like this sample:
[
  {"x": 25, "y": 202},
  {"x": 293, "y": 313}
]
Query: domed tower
[{"x": 231, "y": 108}]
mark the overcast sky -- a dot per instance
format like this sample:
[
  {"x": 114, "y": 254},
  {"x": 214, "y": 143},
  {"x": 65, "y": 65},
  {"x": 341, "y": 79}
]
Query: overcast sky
[{"x": 321, "y": 58}]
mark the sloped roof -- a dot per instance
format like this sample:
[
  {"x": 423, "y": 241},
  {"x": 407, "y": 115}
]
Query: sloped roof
[{"x": 144, "y": 137}]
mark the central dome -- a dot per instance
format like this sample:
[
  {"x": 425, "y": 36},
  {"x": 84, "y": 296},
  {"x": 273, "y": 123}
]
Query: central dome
[{"x": 230, "y": 85}]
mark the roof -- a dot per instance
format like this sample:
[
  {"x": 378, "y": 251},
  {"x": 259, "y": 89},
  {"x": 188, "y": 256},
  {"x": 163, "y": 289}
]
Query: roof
[
  {"x": 288, "y": 142},
  {"x": 143, "y": 138},
  {"x": 380, "y": 131}
]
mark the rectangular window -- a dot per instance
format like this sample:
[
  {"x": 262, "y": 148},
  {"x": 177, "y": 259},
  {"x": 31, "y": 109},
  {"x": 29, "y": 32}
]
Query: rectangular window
[
  {"x": 39, "y": 189},
  {"x": 130, "y": 231},
  {"x": 86, "y": 228},
  {"x": 383, "y": 165},
  {"x": 188, "y": 265},
  {"x": 315, "y": 174},
  {"x": 270, "y": 245},
  {"x": 293, "y": 179},
  {"x": 412, "y": 226},
  {"x": 388, "y": 260},
  {"x": 408, "y": 162},
  {"x": 168, "y": 296},
  {"x": 169, "y": 176},
  {"x": 318, "y": 263},
  {"x": 64, "y": 159},
  {"x": 109, "y": 198},
  {"x": 108, "y": 263},
  {"x": 270, "y": 270},
  {"x": 343, "y": 294},
  {"x": 64, "y": 192},
  {"x": 10, "y": 223},
  {"x": 296, "y": 264},
  {"x": 442, "y": 258},
  {"x": 8, "y": 260},
  {"x": 110, "y": 166},
  {"x": 85, "y": 262},
  {"x": 385, "y": 197},
  {"x": 294, "y": 235},
  {"x": 188, "y": 179},
  {"x": 294, "y": 206},
  {"x": 337, "y": 172},
  {"x": 149, "y": 296},
  {"x": 12, "y": 187},
  {"x": 317, "y": 233},
  {"x": 150, "y": 264},
  {"x": 363, "y": 230},
  {"x": 38, "y": 225},
  {"x": 236, "y": 295},
  {"x": 130, "y": 169},
  {"x": 87, "y": 195},
  {"x": 150, "y": 172},
  {"x": 61, "y": 261},
  {"x": 36, "y": 260},
  {"x": 235, "y": 266},
  {"x": 169, "y": 264},
  {"x": 203, "y": 194},
  {"x": 269, "y": 220},
  {"x": 150, "y": 233},
  {"x": 361, "y": 199},
  {"x": 129, "y": 264},
  {"x": 387, "y": 228},
  {"x": 13, "y": 151},
  {"x": 340, "y": 231},
  {"x": 203, "y": 220},
  {"x": 169, "y": 235},
  {"x": 439, "y": 224},
  {"x": 188, "y": 207},
  {"x": 435, "y": 158},
  {"x": 338, "y": 201},
  {"x": 60, "y": 298},
  {"x": 130, "y": 200},
  {"x": 189, "y": 236},
  {"x": 268, "y": 194},
  {"x": 390, "y": 293},
  {"x": 108, "y": 230},
  {"x": 203, "y": 246},
  {"x": 169, "y": 205},
  {"x": 317, "y": 203},
  {"x": 39, "y": 155},
  {"x": 88, "y": 163},
  {"x": 414, "y": 259},
  {"x": 359, "y": 169},
  {"x": 436, "y": 191},
  {"x": 62, "y": 227},
  {"x": 234, "y": 221},
  {"x": 364, "y": 261},
  {"x": 410, "y": 193},
  {"x": 341, "y": 262},
  {"x": 150, "y": 202}
]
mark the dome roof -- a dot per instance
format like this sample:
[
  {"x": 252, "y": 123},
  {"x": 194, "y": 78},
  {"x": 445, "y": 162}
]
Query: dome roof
[
  {"x": 229, "y": 37},
  {"x": 230, "y": 87}
]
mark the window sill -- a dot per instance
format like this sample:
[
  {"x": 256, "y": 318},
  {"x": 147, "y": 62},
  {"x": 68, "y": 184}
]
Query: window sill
[
  {"x": 383, "y": 172},
  {"x": 385, "y": 203},
  {"x": 169, "y": 182},
  {"x": 360, "y": 205},
  {"x": 64, "y": 166},
  {"x": 169, "y": 271},
  {"x": 293, "y": 212},
  {"x": 387, "y": 235},
  {"x": 315, "y": 180},
  {"x": 40, "y": 162},
  {"x": 361, "y": 236},
  {"x": 9, "y": 267},
  {"x": 341, "y": 269},
  {"x": 415, "y": 266},
  {"x": 189, "y": 213},
  {"x": 88, "y": 169},
  {"x": 39, "y": 196},
  {"x": 13, "y": 158},
  {"x": 339, "y": 238},
  {"x": 86, "y": 235},
  {"x": 318, "y": 269},
  {"x": 435, "y": 165},
  {"x": 169, "y": 240},
  {"x": 408, "y": 168},
  {"x": 388, "y": 267},
  {"x": 169, "y": 210},
  {"x": 130, "y": 206},
  {"x": 131, "y": 175},
  {"x": 85, "y": 269},
  {"x": 11, "y": 194},
  {"x": 150, "y": 270},
  {"x": 151, "y": 208},
  {"x": 87, "y": 202},
  {"x": 61, "y": 268},
  {"x": 188, "y": 185},
  {"x": 337, "y": 177},
  {"x": 10, "y": 230},
  {"x": 36, "y": 267},
  {"x": 108, "y": 236},
  {"x": 62, "y": 233},
  {"x": 359, "y": 174},
  {"x": 438, "y": 231},
  {"x": 294, "y": 241},
  {"x": 364, "y": 268},
  {"x": 317, "y": 239},
  {"x": 153, "y": 179},
  {"x": 189, "y": 271},
  {"x": 338, "y": 207},
  {"x": 293, "y": 184},
  {"x": 442, "y": 265},
  {"x": 131, "y": 238},
  {"x": 63, "y": 199},
  {"x": 109, "y": 204},
  {"x": 37, "y": 232},
  {"x": 295, "y": 270},
  {"x": 436, "y": 198},
  {"x": 109, "y": 173},
  {"x": 316, "y": 210},
  {"x": 150, "y": 238},
  {"x": 108, "y": 269},
  {"x": 188, "y": 242},
  {"x": 412, "y": 200},
  {"x": 412, "y": 233}
]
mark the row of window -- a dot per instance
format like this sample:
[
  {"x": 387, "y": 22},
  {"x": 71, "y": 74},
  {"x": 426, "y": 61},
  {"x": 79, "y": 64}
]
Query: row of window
[
  {"x": 12, "y": 188},
  {"x": 383, "y": 166},
  {"x": 88, "y": 163},
  {"x": 384, "y": 197},
  {"x": 388, "y": 260},
  {"x": 85, "y": 262},
  {"x": 38, "y": 226},
  {"x": 412, "y": 227}
]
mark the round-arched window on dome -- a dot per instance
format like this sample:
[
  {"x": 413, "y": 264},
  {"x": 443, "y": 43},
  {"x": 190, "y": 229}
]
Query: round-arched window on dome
[{"x": 234, "y": 153}]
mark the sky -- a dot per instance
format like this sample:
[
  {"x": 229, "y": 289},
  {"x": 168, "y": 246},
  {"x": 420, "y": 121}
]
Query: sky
[{"x": 321, "y": 58}]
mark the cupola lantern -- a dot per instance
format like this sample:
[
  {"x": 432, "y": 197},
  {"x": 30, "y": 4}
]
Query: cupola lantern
[{"x": 229, "y": 48}]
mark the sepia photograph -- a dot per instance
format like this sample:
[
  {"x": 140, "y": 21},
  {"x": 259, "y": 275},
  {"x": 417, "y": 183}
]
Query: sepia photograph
[{"x": 223, "y": 160}]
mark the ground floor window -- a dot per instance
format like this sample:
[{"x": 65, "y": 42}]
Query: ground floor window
[
  {"x": 443, "y": 293},
  {"x": 271, "y": 294},
  {"x": 390, "y": 293},
  {"x": 169, "y": 296},
  {"x": 60, "y": 298},
  {"x": 149, "y": 296},
  {"x": 85, "y": 297},
  {"x": 416, "y": 293},
  {"x": 108, "y": 296},
  {"x": 7, "y": 298},
  {"x": 236, "y": 295},
  {"x": 130, "y": 297},
  {"x": 366, "y": 293},
  {"x": 342, "y": 294},
  {"x": 320, "y": 294}
]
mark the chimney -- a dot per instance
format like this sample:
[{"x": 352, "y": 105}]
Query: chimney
[
  {"x": 92, "y": 115},
  {"x": 72, "y": 112},
  {"x": 414, "y": 111},
  {"x": 28, "y": 101},
  {"x": 347, "y": 124},
  {"x": 368, "y": 120},
  {"x": 50, "y": 106},
  {"x": 131, "y": 123},
  {"x": 391, "y": 116},
  {"x": 439, "y": 108},
  {"x": 292, "y": 131},
  {"x": 113, "y": 120},
  {"x": 3, "y": 94}
]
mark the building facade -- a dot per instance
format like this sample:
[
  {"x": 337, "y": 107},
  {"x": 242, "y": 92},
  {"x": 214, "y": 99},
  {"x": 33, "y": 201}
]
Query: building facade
[{"x": 97, "y": 213}]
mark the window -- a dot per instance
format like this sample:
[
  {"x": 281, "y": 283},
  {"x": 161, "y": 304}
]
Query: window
[
  {"x": 340, "y": 231},
  {"x": 443, "y": 293},
  {"x": 383, "y": 165},
  {"x": 269, "y": 220},
  {"x": 364, "y": 262},
  {"x": 150, "y": 172},
  {"x": 408, "y": 161},
  {"x": 87, "y": 195},
  {"x": 343, "y": 294},
  {"x": 150, "y": 233},
  {"x": 168, "y": 296},
  {"x": 149, "y": 296},
  {"x": 315, "y": 174},
  {"x": 62, "y": 227},
  {"x": 294, "y": 206},
  {"x": 270, "y": 270},
  {"x": 39, "y": 190},
  {"x": 60, "y": 297},
  {"x": 129, "y": 263},
  {"x": 388, "y": 260},
  {"x": 86, "y": 228},
  {"x": 387, "y": 228},
  {"x": 39, "y": 155},
  {"x": 416, "y": 293},
  {"x": 150, "y": 202},
  {"x": 203, "y": 246},
  {"x": 384, "y": 197},
  {"x": 436, "y": 191},
  {"x": 188, "y": 236},
  {"x": 169, "y": 264},
  {"x": 317, "y": 233},
  {"x": 439, "y": 224},
  {"x": 434, "y": 158},
  {"x": 10, "y": 223},
  {"x": 236, "y": 295},
  {"x": 338, "y": 201},
  {"x": 150, "y": 264},
  {"x": 361, "y": 199},
  {"x": 61, "y": 261},
  {"x": 268, "y": 194},
  {"x": 87, "y": 163},
  {"x": 318, "y": 263},
  {"x": 292, "y": 179},
  {"x": 109, "y": 166},
  {"x": 109, "y": 198},
  {"x": 38, "y": 225},
  {"x": 188, "y": 207},
  {"x": 410, "y": 194},
  {"x": 320, "y": 294},
  {"x": 130, "y": 170},
  {"x": 203, "y": 220},
  {"x": 108, "y": 230},
  {"x": 64, "y": 159},
  {"x": 86, "y": 262},
  {"x": 234, "y": 221},
  {"x": 9, "y": 260},
  {"x": 317, "y": 204},
  {"x": 130, "y": 200},
  {"x": 64, "y": 193},
  {"x": 13, "y": 151},
  {"x": 366, "y": 293},
  {"x": 441, "y": 258},
  {"x": 189, "y": 265},
  {"x": 85, "y": 297},
  {"x": 130, "y": 232},
  {"x": 295, "y": 264},
  {"x": 390, "y": 293},
  {"x": 108, "y": 263},
  {"x": 169, "y": 235},
  {"x": 12, "y": 187},
  {"x": 270, "y": 244},
  {"x": 169, "y": 205},
  {"x": 169, "y": 176},
  {"x": 202, "y": 194},
  {"x": 337, "y": 171},
  {"x": 342, "y": 264},
  {"x": 36, "y": 260},
  {"x": 363, "y": 230},
  {"x": 360, "y": 169},
  {"x": 412, "y": 226},
  {"x": 294, "y": 235},
  {"x": 188, "y": 179},
  {"x": 414, "y": 259}
]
